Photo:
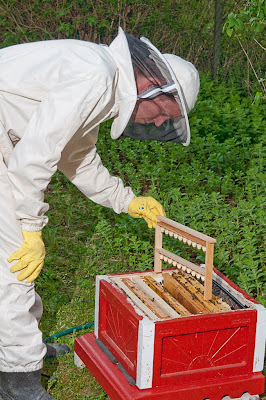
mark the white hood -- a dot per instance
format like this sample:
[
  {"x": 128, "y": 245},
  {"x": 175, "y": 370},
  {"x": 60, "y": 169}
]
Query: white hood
[{"x": 126, "y": 92}]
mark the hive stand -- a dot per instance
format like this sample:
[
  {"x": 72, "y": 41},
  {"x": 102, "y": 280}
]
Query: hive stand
[{"x": 191, "y": 238}]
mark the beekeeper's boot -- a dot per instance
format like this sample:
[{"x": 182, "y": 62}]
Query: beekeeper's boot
[
  {"x": 22, "y": 386},
  {"x": 56, "y": 349}
]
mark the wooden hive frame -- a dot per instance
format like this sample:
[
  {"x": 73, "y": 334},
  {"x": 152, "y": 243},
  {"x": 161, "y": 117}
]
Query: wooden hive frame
[
  {"x": 177, "y": 292},
  {"x": 192, "y": 238}
]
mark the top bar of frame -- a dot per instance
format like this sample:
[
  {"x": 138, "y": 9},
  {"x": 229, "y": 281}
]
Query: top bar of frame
[{"x": 184, "y": 228}]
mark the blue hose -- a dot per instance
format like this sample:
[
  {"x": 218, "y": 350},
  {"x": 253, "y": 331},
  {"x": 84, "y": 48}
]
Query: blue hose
[{"x": 68, "y": 331}]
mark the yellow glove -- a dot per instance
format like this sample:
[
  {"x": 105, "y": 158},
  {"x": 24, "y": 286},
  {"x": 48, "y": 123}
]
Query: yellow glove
[
  {"x": 30, "y": 255},
  {"x": 147, "y": 208}
]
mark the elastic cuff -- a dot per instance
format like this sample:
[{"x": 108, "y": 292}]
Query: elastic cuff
[
  {"x": 30, "y": 227},
  {"x": 128, "y": 200},
  {"x": 21, "y": 368}
]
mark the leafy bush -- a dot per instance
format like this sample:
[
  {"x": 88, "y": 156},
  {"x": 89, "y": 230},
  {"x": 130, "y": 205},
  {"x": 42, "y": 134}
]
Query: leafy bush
[{"x": 183, "y": 27}]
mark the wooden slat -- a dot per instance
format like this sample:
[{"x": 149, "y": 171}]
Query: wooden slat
[
  {"x": 158, "y": 244},
  {"x": 180, "y": 260},
  {"x": 216, "y": 301},
  {"x": 183, "y": 296},
  {"x": 179, "y": 308},
  {"x": 138, "y": 274},
  {"x": 192, "y": 285},
  {"x": 142, "y": 296},
  {"x": 208, "y": 271},
  {"x": 182, "y": 233},
  {"x": 155, "y": 297},
  {"x": 135, "y": 299},
  {"x": 182, "y": 230}
]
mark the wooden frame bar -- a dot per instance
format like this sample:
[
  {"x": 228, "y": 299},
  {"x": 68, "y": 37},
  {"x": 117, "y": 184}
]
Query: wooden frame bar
[
  {"x": 215, "y": 304},
  {"x": 135, "y": 299},
  {"x": 152, "y": 295},
  {"x": 189, "y": 233},
  {"x": 150, "y": 303},
  {"x": 204, "y": 241},
  {"x": 166, "y": 296},
  {"x": 180, "y": 260},
  {"x": 208, "y": 271},
  {"x": 158, "y": 244},
  {"x": 187, "y": 299}
]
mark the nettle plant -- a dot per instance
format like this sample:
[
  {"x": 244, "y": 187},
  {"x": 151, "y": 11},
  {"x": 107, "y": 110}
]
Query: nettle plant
[
  {"x": 216, "y": 185},
  {"x": 251, "y": 19}
]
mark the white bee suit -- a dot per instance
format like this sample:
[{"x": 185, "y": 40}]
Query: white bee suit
[{"x": 53, "y": 96}]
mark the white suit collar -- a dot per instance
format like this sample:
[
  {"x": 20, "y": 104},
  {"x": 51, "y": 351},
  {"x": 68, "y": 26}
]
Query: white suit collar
[{"x": 126, "y": 92}]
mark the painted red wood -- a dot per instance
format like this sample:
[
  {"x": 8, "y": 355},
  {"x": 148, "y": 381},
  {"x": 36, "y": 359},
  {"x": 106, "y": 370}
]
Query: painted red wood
[
  {"x": 116, "y": 386},
  {"x": 196, "y": 357},
  {"x": 204, "y": 347},
  {"x": 118, "y": 326}
]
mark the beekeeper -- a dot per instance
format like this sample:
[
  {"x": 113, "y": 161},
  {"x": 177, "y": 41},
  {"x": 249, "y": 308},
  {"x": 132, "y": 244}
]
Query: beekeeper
[{"x": 53, "y": 97}]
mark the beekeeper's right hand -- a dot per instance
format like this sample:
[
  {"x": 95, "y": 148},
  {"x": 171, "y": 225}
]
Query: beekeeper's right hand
[
  {"x": 30, "y": 255},
  {"x": 147, "y": 208}
]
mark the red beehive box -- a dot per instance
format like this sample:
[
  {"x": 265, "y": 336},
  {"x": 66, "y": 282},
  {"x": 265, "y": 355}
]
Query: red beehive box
[{"x": 137, "y": 352}]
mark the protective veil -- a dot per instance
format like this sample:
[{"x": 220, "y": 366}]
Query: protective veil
[{"x": 175, "y": 80}]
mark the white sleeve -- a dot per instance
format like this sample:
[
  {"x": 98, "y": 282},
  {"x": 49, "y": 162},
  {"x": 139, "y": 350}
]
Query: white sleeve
[
  {"x": 83, "y": 167},
  {"x": 35, "y": 158}
]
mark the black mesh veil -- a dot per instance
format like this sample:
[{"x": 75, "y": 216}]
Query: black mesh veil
[
  {"x": 162, "y": 86},
  {"x": 146, "y": 61}
]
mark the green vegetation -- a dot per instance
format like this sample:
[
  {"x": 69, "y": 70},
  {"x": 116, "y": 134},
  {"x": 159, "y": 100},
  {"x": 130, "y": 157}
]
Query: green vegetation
[
  {"x": 181, "y": 27},
  {"x": 215, "y": 185},
  {"x": 253, "y": 13},
  {"x": 251, "y": 19}
]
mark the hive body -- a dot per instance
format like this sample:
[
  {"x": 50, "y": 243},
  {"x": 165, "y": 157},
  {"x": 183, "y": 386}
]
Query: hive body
[{"x": 172, "y": 346}]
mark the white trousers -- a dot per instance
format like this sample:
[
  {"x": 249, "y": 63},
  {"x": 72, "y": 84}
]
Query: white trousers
[{"x": 21, "y": 345}]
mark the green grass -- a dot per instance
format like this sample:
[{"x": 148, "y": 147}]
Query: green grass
[{"x": 216, "y": 186}]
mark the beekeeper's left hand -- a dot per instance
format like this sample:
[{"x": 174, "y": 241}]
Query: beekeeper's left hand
[
  {"x": 30, "y": 255},
  {"x": 147, "y": 208}
]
